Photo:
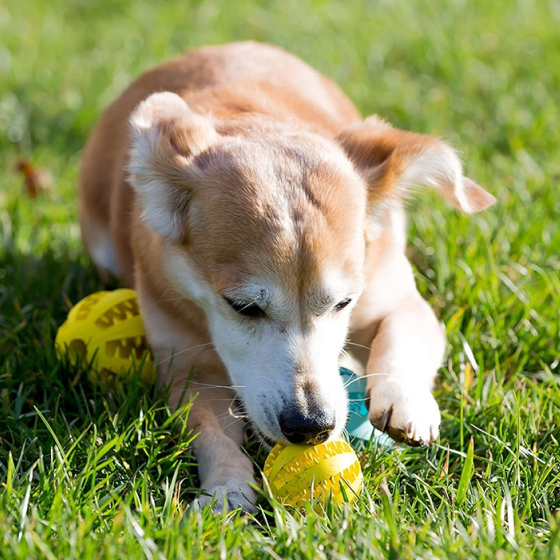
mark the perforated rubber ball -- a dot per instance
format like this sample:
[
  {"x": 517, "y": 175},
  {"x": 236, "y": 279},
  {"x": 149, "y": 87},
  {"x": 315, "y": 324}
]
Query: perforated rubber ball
[
  {"x": 299, "y": 473},
  {"x": 105, "y": 331}
]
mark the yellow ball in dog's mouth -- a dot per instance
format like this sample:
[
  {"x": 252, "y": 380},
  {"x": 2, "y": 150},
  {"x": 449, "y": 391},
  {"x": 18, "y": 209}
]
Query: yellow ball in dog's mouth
[
  {"x": 106, "y": 330},
  {"x": 299, "y": 473}
]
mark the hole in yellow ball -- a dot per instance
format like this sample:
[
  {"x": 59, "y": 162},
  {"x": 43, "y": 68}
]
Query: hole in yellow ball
[
  {"x": 78, "y": 349},
  {"x": 107, "y": 377}
]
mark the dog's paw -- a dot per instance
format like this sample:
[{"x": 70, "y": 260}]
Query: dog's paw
[
  {"x": 408, "y": 413},
  {"x": 228, "y": 496}
]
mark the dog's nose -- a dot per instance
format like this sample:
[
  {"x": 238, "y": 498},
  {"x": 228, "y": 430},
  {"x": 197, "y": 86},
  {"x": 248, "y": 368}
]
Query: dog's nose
[{"x": 309, "y": 429}]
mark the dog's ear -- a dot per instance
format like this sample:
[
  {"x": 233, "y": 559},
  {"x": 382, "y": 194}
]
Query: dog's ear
[
  {"x": 393, "y": 161},
  {"x": 166, "y": 136}
]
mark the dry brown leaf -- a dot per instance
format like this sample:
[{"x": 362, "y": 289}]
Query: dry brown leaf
[{"x": 37, "y": 180}]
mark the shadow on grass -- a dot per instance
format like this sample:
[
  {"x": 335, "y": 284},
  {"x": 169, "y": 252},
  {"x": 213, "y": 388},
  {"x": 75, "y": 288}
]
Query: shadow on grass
[{"x": 49, "y": 407}]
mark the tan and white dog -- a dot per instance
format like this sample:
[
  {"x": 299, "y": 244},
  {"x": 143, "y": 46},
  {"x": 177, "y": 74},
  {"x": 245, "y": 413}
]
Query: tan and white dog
[{"x": 260, "y": 220}]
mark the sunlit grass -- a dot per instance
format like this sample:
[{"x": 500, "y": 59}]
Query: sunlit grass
[{"x": 90, "y": 475}]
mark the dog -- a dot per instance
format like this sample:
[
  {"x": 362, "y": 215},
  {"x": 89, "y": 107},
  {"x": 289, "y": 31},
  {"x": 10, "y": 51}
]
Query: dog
[{"x": 260, "y": 220}]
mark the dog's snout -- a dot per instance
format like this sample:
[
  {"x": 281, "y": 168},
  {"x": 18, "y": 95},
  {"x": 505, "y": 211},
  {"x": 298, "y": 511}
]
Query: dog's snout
[{"x": 306, "y": 429}]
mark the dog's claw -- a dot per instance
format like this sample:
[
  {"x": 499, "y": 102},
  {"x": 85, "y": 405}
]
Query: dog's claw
[
  {"x": 407, "y": 416},
  {"x": 386, "y": 419}
]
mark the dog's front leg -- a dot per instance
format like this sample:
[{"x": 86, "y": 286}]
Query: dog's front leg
[
  {"x": 191, "y": 370},
  {"x": 225, "y": 472},
  {"x": 405, "y": 355}
]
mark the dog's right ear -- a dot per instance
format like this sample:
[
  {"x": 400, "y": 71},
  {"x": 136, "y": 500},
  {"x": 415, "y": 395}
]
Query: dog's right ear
[
  {"x": 166, "y": 136},
  {"x": 392, "y": 162}
]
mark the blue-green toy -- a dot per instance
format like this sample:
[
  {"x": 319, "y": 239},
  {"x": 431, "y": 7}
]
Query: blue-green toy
[{"x": 358, "y": 426}]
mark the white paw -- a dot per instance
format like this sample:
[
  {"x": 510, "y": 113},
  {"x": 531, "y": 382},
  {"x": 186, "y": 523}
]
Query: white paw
[
  {"x": 228, "y": 496},
  {"x": 407, "y": 412}
]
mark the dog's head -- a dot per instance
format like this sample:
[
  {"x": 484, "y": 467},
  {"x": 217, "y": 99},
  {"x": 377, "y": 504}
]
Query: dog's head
[{"x": 265, "y": 230}]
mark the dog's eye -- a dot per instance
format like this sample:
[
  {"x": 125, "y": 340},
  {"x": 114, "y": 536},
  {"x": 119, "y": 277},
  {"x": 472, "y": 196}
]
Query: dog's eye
[
  {"x": 342, "y": 304},
  {"x": 251, "y": 310}
]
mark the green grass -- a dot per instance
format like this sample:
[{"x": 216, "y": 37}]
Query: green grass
[{"x": 90, "y": 475}]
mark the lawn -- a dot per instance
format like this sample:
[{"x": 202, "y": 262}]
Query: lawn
[{"x": 87, "y": 475}]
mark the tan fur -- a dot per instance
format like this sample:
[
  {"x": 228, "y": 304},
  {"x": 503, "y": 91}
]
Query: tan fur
[{"x": 265, "y": 172}]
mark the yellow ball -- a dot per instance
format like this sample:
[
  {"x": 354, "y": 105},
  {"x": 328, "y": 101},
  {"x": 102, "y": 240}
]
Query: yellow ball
[
  {"x": 298, "y": 473},
  {"x": 105, "y": 328}
]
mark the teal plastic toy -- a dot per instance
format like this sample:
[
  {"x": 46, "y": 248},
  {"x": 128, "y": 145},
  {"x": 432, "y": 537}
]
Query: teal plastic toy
[{"x": 358, "y": 426}]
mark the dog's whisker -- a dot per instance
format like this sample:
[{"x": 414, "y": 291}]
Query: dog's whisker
[
  {"x": 199, "y": 390},
  {"x": 366, "y": 375},
  {"x": 254, "y": 302},
  {"x": 353, "y": 413},
  {"x": 183, "y": 351},
  {"x": 232, "y": 423},
  {"x": 344, "y": 353},
  {"x": 229, "y": 412},
  {"x": 212, "y": 386},
  {"x": 358, "y": 345},
  {"x": 216, "y": 400},
  {"x": 237, "y": 410},
  {"x": 265, "y": 441},
  {"x": 221, "y": 417},
  {"x": 377, "y": 374},
  {"x": 227, "y": 416},
  {"x": 173, "y": 299}
]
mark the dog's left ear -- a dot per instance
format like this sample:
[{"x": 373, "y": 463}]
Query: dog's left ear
[
  {"x": 166, "y": 137},
  {"x": 393, "y": 161}
]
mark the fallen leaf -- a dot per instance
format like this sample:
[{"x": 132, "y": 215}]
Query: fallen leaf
[{"x": 37, "y": 180}]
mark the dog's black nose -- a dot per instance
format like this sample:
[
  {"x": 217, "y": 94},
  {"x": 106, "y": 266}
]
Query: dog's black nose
[{"x": 310, "y": 429}]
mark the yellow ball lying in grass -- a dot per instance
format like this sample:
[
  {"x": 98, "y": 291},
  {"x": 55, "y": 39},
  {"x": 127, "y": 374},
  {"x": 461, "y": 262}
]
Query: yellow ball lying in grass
[
  {"x": 105, "y": 330},
  {"x": 299, "y": 473}
]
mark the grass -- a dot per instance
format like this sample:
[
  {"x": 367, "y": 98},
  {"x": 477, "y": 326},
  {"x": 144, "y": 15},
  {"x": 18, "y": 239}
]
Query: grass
[{"x": 90, "y": 475}]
